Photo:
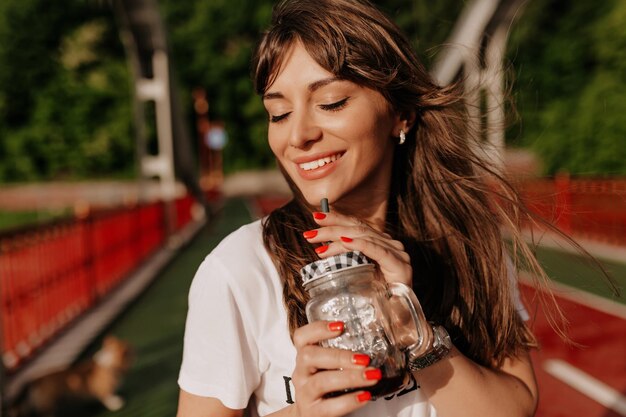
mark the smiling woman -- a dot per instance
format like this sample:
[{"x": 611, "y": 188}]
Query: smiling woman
[
  {"x": 333, "y": 137},
  {"x": 355, "y": 118}
]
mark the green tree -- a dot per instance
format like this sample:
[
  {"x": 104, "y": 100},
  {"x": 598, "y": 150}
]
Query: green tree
[
  {"x": 64, "y": 92},
  {"x": 570, "y": 84}
]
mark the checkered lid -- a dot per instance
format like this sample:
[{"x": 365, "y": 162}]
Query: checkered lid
[{"x": 323, "y": 267}]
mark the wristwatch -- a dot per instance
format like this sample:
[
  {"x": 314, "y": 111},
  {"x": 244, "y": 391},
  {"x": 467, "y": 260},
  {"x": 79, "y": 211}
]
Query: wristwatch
[{"x": 440, "y": 347}]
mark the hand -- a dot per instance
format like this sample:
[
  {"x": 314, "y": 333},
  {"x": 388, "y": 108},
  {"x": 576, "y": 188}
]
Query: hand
[
  {"x": 349, "y": 233},
  {"x": 320, "y": 371}
]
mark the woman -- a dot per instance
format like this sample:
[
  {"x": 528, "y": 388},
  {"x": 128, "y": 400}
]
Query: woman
[{"x": 355, "y": 118}]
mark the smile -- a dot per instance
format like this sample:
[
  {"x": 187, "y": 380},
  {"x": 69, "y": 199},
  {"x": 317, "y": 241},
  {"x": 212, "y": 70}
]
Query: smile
[{"x": 318, "y": 163}]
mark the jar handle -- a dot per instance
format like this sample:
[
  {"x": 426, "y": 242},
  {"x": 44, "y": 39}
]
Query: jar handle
[{"x": 423, "y": 328}]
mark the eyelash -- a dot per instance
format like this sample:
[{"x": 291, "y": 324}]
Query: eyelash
[
  {"x": 276, "y": 119},
  {"x": 327, "y": 107},
  {"x": 335, "y": 106}
]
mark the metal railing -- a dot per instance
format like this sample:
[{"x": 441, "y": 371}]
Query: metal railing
[
  {"x": 50, "y": 274},
  {"x": 593, "y": 209}
]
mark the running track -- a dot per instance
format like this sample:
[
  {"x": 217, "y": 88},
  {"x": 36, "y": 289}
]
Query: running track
[{"x": 588, "y": 380}]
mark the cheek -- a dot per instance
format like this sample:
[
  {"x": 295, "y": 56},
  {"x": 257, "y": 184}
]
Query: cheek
[{"x": 275, "y": 144}]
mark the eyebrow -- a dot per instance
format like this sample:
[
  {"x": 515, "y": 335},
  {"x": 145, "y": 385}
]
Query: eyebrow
[{"x": 316, "y": 85}]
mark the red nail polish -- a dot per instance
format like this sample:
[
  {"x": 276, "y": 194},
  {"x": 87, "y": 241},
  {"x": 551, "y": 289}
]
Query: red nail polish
[
  {"x": 321, "y": 249},
  {"x": 373, "y": 374},
  {"x": 310, "y": 234},
  {"x": 360, "y": 359},
  {"x": 319, "y": 216},
  {"x": 364, "y": 396},
  {"x": 346, "y": 239},
  {"x": 336, "y": 326}
]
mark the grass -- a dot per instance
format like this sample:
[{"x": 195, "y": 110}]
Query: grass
[
  {"x": 580, "y": 272},
  {"x": 15, "y": 219}
]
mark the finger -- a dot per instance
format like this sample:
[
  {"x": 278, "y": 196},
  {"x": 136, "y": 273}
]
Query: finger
[
  {"x": 354, "y": 229},
  {"x": 313, "y": 333},
  {"x": 311, "y": 358},
  {"x": 328, "y": 249},
  {"x": 324, "y": 235},
  {"x": 394, "y": 265},
  {"x": 335, "y": 218},
  {"x": 387, "y": 247},
  {"x": 337, "y": 382},
  {"x": 344, "y": 404},
  {"x": 395, "y": 246},
  {"x": 376, "y": 249}
]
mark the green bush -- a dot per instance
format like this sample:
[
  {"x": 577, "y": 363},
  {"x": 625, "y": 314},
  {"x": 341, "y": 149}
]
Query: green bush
[{"x": 571, "y": 83}]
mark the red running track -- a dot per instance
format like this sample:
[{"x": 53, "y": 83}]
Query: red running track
[{"x": 601, "y": 354}]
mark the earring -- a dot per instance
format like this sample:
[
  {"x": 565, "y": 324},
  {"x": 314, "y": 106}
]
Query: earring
[{"x": 402, "y": 137}]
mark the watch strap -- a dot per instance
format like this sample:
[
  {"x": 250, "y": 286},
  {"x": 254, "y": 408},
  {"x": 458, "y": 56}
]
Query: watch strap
[{"x": 440, "y": 348}]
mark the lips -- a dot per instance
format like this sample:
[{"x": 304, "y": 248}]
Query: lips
[
  {"x": 317, "y": 166},
  {"x": 318, "y": 163}
]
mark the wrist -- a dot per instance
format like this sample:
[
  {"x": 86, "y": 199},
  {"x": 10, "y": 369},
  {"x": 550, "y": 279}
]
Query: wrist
[{"x": 440, "y": 346}]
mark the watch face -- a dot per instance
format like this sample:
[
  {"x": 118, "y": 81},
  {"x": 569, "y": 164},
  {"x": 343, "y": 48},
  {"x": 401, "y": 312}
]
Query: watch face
[{"x": 443, "y": 337}]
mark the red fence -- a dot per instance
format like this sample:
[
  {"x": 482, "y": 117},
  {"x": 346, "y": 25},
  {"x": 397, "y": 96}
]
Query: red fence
[
  {"x": 586, "y": 208},
  {"x": 50, "y": 274}
]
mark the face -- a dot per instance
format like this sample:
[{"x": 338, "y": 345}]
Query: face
[{"x": 334, "y": 138}]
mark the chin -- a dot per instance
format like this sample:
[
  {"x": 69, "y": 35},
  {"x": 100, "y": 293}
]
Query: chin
[
  {"x": 313, "y": 195},
  {"x": 314, "y": 199}
]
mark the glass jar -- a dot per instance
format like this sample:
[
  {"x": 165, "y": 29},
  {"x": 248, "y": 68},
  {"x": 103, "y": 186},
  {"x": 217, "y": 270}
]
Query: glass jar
[{"x": 346, "y": 288}]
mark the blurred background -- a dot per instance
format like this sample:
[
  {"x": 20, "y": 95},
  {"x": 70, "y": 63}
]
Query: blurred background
[{"x": 131, "y": 141}]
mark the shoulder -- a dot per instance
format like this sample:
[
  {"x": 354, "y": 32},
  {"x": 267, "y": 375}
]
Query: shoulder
[
  {"x": 245, "y": 243},
  {"x": 239, "y": 263}
]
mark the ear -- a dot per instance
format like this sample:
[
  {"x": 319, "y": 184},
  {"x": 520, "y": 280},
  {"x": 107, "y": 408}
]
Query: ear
[{"x": 404, "y": 121}]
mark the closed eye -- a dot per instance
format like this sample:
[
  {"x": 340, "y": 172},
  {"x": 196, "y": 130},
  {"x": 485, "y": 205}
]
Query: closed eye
[
  {"x": 276, "y": 119},
  {"x": 335, "y": 106}
]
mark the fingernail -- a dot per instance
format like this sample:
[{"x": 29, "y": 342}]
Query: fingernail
[
  {"x": 373, "y": 374},
  {"x": 309, "y": 234},
  {"x": 336, "y": 326},
  {"x": 346, "y": 239},
  {"x": 364, "y": 396},
  {"x": 360, "y": 359},
  {"x": 319, "y": 216},
  {"x": 321, "y": 249}
]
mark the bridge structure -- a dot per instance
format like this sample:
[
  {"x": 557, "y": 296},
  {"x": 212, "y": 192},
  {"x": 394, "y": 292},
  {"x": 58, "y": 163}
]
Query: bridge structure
[{"x": 474, "y": 54}]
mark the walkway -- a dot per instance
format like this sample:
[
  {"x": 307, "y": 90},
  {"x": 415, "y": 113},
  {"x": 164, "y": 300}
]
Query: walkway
[{"x": 154, "y": 326}]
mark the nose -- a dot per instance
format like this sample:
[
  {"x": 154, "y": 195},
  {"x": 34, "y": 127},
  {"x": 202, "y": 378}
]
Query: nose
[{"x": 304, "y": 130}]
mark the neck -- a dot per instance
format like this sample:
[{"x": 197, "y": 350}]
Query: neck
[{"x": 370, "y": 209}]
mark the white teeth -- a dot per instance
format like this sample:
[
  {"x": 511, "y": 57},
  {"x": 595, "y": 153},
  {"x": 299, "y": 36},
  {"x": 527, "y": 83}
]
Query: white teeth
[{"x": 308, "y": 166}]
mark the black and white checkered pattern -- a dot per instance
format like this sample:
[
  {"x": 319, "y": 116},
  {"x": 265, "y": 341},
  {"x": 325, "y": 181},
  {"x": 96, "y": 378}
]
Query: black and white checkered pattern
[{"x": 320, "y": 268}]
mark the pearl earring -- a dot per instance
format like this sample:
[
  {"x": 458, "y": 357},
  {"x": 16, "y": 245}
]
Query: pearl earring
[{"x": 402, "y": 137}]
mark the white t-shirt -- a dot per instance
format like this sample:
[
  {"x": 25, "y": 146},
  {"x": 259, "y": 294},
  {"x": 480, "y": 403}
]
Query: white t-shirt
[{"x": 237, "y": 345}]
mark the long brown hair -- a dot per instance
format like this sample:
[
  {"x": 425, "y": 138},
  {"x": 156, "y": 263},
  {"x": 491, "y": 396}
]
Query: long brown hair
[{"x": 441, "y": 200}]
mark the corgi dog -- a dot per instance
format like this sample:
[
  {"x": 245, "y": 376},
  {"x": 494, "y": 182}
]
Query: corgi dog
[{"x": 95, "y": 379}]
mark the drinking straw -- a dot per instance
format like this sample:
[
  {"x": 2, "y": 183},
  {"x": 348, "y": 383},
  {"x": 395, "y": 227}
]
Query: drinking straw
[{"x": 324, "y": 204}]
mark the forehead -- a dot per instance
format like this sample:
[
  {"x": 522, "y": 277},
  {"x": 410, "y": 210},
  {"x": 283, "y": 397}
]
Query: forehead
[{"x": 296, "y": 66}]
